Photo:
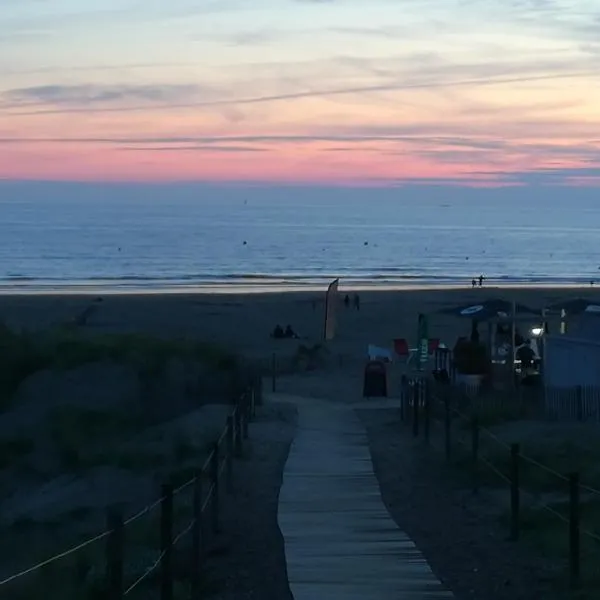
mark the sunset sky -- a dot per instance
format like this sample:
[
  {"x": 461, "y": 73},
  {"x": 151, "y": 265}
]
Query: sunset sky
[{"x": 377, "y": 92}]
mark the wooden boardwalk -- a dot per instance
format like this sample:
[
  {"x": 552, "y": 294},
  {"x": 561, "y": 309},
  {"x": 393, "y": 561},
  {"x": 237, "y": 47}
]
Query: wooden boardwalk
[{"x": 340, "y": 542}]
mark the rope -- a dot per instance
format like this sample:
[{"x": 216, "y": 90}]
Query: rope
[
  {"x": 543, "y": 467},
  {"x": 55, "y": 558},
  {"x": 146, "y": 574},
  {"x": 497, "y": 471},
  {"x": 494, "y": 437},
  {"x": 524, "y": 457},
  {"x": 157, "y": 562},
  {"x": 144, "y": 511},
  {"x": 147, "y": 509},
  {"x": 185, "y": 485},
  {"x": 587, "y": 488}
]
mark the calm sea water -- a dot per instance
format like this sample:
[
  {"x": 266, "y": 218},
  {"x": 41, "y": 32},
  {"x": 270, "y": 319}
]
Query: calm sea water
[{"x": 181, "y": 242}]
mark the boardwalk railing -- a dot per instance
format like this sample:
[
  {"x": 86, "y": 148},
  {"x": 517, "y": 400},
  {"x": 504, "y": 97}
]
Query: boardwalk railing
[
  {"x": 457, "y": 432},
  {"x": 204, "y": 501}
]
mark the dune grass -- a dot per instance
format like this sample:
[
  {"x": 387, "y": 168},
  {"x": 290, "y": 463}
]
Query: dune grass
[{"x": 24, "y": 353}]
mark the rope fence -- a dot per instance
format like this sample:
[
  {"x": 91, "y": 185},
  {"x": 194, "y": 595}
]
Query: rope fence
[
  {"x": 205, "y": 506},
  {"x": 423, "y": 408}
]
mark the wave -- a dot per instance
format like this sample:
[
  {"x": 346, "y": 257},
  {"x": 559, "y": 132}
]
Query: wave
[{"x": 388, "y": 276}]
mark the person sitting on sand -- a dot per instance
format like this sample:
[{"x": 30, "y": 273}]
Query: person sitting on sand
[
  {"x": 278, "y": 332},
  {"x": 290, "y": 333}
]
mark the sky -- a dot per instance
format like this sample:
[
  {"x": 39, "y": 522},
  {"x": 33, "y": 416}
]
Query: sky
[{"x": 476, "y": 93}]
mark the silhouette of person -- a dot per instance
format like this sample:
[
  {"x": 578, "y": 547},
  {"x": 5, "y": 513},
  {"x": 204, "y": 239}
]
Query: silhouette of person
[
  {"x": 289, "y": 332},
  {"x": 526, "y": 354},
  {"x": 278, "y": 332},
  {"x": 481, "y": 278},
  {"x": 356, "y": 301},
  {"x": 473, "y": 283},
  {"x": 346, "y": 301}
]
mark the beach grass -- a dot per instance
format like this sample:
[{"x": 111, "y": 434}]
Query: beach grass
[{"x": 26, "y": 352}]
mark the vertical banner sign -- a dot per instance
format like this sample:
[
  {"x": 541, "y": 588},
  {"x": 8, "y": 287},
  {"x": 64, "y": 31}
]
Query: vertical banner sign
[
  {"x": 423, "y": 337},
  {"x": 331, "y": 303}
]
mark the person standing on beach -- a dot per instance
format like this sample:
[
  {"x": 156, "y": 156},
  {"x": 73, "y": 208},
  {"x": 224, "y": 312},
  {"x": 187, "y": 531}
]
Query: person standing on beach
[
  {"x": 356, "y": 301},
  {"x": 473, "y": 283},
  {"x": 481, "y": 278},
  {"x": 347, "y": 301}
]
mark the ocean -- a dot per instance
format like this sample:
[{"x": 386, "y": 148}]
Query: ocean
[{"x": 166, "y": 242}]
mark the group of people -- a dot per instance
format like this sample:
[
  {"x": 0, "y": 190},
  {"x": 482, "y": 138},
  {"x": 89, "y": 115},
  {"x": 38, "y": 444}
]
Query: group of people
[
  {"x": 474, "y": 281},
  {"x": 280, "y": 334},
  {"x": 355, "y": 301}
]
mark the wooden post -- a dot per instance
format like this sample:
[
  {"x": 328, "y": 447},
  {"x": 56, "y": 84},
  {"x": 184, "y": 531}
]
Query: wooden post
[
  {"x": 574, "y": 533},
  {"x": 579, "y": 402},
  {"x": 274, "y": 372},
  {"x": 447, "y": 426},
  {"x": 237, "y": 418},
  {"x": 166, "y": 543},
  {"x": 475, "y": 452},
  {"x": 229, "y": 454},
  {"x": 244, "y": 405},
  {"x": 427, "y": 409},
  {"x": 197, "y": 535},
  {"x": 214, "y": 476},
  {"x": 416, "y": 392},
  {"x": 514, "y": 492},
  {"x": 114, "y": 554}
]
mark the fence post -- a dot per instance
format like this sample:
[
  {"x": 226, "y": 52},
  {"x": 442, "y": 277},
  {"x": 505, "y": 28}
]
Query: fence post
[
  {"x": 475, "y": 452},
  {"x": 427, "y": 409},
  {"x": 514, "y": 491},
  {"x": 114, "y": 554},
  {"x": 214, "y": 475},
  {"x": 244, "y": 405},
  {"x": 574, "y": 534},
  {"x": 274, "y": 372},
  {"x": 416, "y": 392},
  {"x": 579, "y": 402},
  {"x": 197, "y": 535},
  {"x": 237, "y": 417},
  {"x": 166, "y": 543},
  {"x": 447, "y": 425},
  {"x": 229, "y": 454}
]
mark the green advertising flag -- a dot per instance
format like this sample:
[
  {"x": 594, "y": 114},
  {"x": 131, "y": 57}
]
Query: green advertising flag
[{"x": 423, "y": 337}]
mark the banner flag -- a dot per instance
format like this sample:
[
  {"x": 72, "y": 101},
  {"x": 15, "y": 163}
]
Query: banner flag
[{"x": 331, "y": 304}]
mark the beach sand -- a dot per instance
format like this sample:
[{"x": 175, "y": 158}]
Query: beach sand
[{"x": 244, "y": 321}]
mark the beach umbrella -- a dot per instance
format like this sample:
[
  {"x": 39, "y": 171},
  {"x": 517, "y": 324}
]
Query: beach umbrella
[
  {"x": 575, "y": 306},
  {"x": 487, "y": 310}
]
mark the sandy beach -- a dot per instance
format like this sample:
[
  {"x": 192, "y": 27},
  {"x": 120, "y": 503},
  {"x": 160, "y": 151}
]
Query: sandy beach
[{"x": 243, "y": 321}]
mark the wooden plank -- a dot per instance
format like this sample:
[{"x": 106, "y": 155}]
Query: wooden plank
[{"x": 340, "y": 541}]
